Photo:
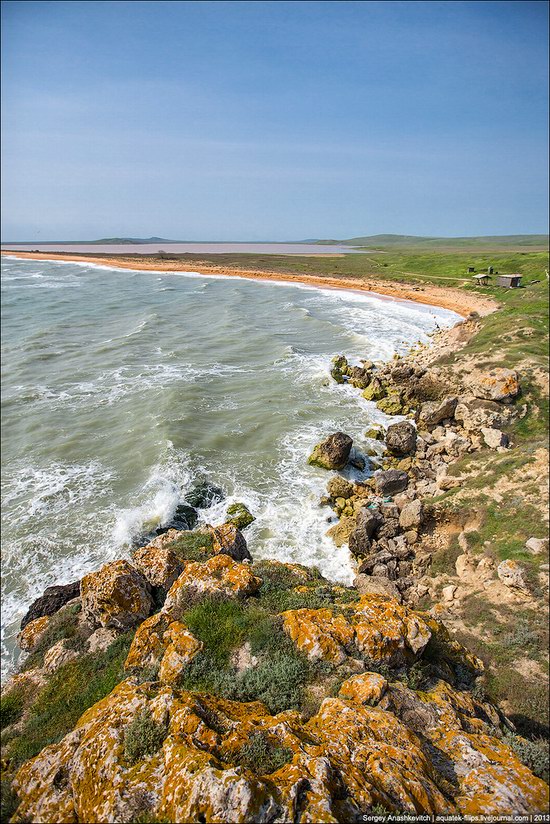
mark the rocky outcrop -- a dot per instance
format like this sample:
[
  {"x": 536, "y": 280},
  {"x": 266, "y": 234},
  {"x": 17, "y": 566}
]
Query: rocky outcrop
[
  {"x": 229, "y": 540},
  {"x": 116, "y": 596},
  {"x": 33, "y": 631},
  {"x": 159, "y": 565},
  {"x": 333, "y": 452},
  {"x": 163, "y": 644},
  {"x": 218, "y": 576},
  {"x": 204, "y": 494},
  {"x": 51, "y": 601},
  {"x": 433, "y": 412},
  {"x": 498, "y": 384}
]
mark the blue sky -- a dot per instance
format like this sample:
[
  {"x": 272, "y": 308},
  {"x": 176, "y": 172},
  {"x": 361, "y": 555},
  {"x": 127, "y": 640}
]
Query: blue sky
[{"x": 273, "y": 120}]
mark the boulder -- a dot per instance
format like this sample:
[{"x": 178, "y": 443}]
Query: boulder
[
  {"x": 204, "y": 494},
  {"x": 319, "y": 633},
  {"x": 512, "y": 575},
  {"x": 163, "y": 644},
  {"x": 159, "y": 565},
  {"x": 57, "y": 655},
  {"x": 401, "y": 438},
  {"x": 239, "y": 515},
  {"x": 411, "y": 515},
  {"x": 375, "y": 391},
  {"x": 537, "y": 546},
  {"x": 359, "y": 377},
  {"x": 52, "y": 599},
  {"x": 32, "y": 633},
  {"x": 338, "y": 487},
  {"x": 498, "y": 384},
  {"x": 433, "y": 412},
  {"x": 366, "y": 688},
  {"x": 333, "y": 452},
  {"x": 116, "y": 596},
  {"x": 366, "y": 524},
  {"x": 390, "y": 481},
  {"x": 372, "y": 585},
  {"x": 185, "y": 517},
  {"x": 494, "y": 438},
  {"x": 392, "y": 404},
  {"x": 340, "y": 368},
  {"x": 219, "y": 575},
  {"x": 229, "y": 540}
]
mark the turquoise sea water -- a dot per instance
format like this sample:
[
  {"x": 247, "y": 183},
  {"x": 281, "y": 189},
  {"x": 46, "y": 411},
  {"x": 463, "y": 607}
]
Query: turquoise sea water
[{"x": 121, "y": 387}]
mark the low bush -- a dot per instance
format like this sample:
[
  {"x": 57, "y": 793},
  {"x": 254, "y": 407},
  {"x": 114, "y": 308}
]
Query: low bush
[
  {"x": 262, "y": 756},
  {"x": 193, "y": 546},
  {"x": 534, "y": 754},
  {"x": 11, "y": 707},
  {"x": 63, "y": 625},
  {"x": 143, "y": 737}
]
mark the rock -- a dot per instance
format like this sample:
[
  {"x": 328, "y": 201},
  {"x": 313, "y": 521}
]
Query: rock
[
  {"x": 433, "y": 412},
  {"x": 165, "y": 538},
  {"x": 204, "y": 494},
  {"x": 165, "y": 644},
  {"x": 33, "y": 632},
  {"x": 411, "y": 536},
  {"x": 357, "y": 460},
  {"x": 333, "y": 452},
  {"x": 512, "y": 575},
  {"x": 101, "y": 639},
  {"x": 159, "y": 565},
  {"x": 229, "y": 540},
  {"x": 401, "y": 438},
  {"x": 338, "y": 487},
  {"x": 388, "y": 632},
  {"x": 498, "y": 384},
  {"x": 402, "y": 373},
  {"x": 181, "y": 648},
  {"x": 340, "y": 368},
  {"x": 116, "y": 596},
  {"x": 318, "y": 633},
  {"x": 219, "y": 575},
  {"x": 494, "y": 438},
  {"x": 412, "y": 515},
  {"x": 375, "y": 391},
  {"x": 389, "y": 529},
  {"x": 52, "y": 599},
  {"x": 366, "y": 524},
  {"x": 370, "y": 585},
  {"x": 376, "y": 433},
  {"x": 392, "y": 404},
  {"x": 359, "y": 377},
  {"x": 537, "y": 545},
  {"x": 366, "y": 688},
  {"x": 57, "y": 655},
  {"x": 390, "y": 481},
  {"x": 448, "y": 592},
  {"x": 239, "y": 515},
  {"x": 341, "y": 531},
  {"x": 185, "y": 517}
]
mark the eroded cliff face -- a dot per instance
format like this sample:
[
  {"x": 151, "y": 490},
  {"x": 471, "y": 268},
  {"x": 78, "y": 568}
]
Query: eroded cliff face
[{"x": 154, "y": 749}]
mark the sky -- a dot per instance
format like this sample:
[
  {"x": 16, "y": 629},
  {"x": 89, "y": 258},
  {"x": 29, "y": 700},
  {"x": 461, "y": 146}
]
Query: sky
[{"x": 273, "y": 120}]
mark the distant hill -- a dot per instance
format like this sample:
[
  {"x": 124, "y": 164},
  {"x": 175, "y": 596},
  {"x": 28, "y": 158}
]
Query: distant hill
[
  {"x": 129, "y": 240},
  {"x": 419, "y": 242}
]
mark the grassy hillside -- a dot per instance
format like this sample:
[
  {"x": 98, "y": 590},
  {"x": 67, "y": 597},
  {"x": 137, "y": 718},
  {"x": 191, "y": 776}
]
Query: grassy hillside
[{"x": 487, "y": 242}]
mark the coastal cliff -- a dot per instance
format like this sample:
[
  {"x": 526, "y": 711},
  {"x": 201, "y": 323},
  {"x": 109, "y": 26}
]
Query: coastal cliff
[{"x": 190, "y": 683}]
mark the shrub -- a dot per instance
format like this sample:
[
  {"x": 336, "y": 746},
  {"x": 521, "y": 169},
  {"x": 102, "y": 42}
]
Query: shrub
[
  {"x": 11, "y": 707},
  {"x": 193, "y": 546},
  {"x": 143, "y": 737},
  {"x": 262, "y": 756},
  {"x": 8, "y": 800},
  {"x": 62, "y": 625},
  {"x": 534, "y": 754},
  {"x": 278, "y": 682}
]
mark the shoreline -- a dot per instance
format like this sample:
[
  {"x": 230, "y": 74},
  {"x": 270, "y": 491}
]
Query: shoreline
[{"x": 463, "y": 303}]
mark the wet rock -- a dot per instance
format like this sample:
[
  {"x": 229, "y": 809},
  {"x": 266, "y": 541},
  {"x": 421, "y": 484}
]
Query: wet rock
[
  {"x": 204, "y": 494},
  {"x": 333, "y": 452},
  {"x": 392, "y": 404},
  {"x": 239, "y": 515},
  {"x": 390, "y": 481},
  {"x": 229, "y": 540},
  {"x": 375, "y": 391},
  {"x": 185, "y": 517},
  {"x": 512, "y": 575},
  {"x": 338, "y": 487},
  {"x": 51, "y": 601},
  {"x": 116, "y": 596},
  {"x": 359, "y": 377},
  {"x": 341, "y": 531},
  {"x": 433, "y": 412},
  {"x": 340, "y": 368},
  {"x": 411, "y": 515},
  {"x": 498, "y": 384},
  {"x": 376, "y": 433},
  {"x": 494, "y": 438},
  {"x": 401, "y": 438}
]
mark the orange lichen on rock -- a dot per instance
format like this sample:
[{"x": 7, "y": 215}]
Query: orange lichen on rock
[
  {"x": 219, "y": 575},
  {"x": 159, "y": 565},
  {"x": 387, "y": 631},
  {"x": 319, "y": 633},
  {"x": 116, "y": 596},
  {"x": 163, "y": 643},
  {"x": 29, "y": 637},
  {"x": 365, "y": 688}
]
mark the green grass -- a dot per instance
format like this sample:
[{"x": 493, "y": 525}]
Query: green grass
[
  {"x": 193, "y": 546},
  {"x": 71, "y": 690},
  {"x": 64, "y": 624},
  {"x": 11, "y": 707},
  {"x": 262, "y": 755}
]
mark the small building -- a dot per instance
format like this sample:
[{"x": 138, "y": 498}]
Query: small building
[
  {"x": 471, "y": 269},
  {"x": 509, "y": 281},
  {"x": 482, "y": 279}
]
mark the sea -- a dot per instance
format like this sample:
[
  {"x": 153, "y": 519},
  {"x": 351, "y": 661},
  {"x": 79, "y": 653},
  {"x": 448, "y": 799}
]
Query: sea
[{"x": 122, "y": 388}]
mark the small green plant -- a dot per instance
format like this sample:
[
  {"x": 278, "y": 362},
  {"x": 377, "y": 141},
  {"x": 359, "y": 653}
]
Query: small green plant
[
  {"x": 534, "y": 754},
  {"x": 63, "y": 625},
  {"x": 11, "y": 707},
  {"x": 8, "y": 800},
  {"x": 262, "y": 756},
  {"x": 193, "y": 546},
  {"x": 143, "y": 737}
]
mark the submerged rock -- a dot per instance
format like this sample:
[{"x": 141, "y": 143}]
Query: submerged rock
[
  {"x": 52, "y": 599},
  {"x": 204, "y": 494},
  {"x": 239, "y": 515},
  {"x": 333, "y": 452}
]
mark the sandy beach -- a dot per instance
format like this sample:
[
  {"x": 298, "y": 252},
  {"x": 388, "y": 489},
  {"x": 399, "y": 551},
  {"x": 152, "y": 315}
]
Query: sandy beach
[{"x": 446, "y": 297}]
